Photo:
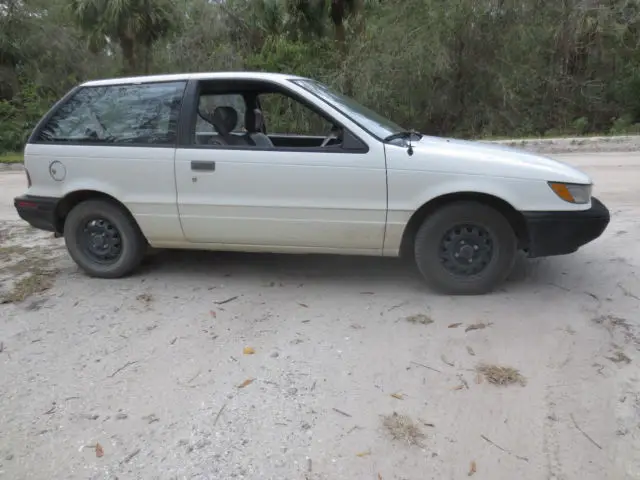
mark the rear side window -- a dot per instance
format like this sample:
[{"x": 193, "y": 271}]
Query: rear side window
[{"x": 118, "y": 114}]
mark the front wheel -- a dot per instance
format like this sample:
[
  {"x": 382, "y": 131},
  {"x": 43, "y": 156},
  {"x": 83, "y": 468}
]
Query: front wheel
[
  {"x": 103, "y": 239},
  {"x": 465, "y": 248}
]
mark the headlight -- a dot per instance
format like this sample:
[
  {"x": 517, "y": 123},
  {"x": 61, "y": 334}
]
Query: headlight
[{"x": 572, "y": 192}]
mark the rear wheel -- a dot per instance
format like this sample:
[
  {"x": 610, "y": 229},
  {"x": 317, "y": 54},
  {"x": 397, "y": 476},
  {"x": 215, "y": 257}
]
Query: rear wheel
[
  {"x": 103, "y": 239},
  {"x": 465, "y": 248}
]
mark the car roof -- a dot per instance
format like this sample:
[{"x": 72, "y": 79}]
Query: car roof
[{"x": 193, "y": 76}]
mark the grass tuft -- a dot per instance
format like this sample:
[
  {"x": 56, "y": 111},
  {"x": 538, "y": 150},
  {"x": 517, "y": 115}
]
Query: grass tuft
[
  {"x": 11, "y": 158},
  {"x": 403, "y": 429},
  {"x": 500, "y": 375},
  {"x": 420, "y": 319},
  {"x": 32, "y": 283}
]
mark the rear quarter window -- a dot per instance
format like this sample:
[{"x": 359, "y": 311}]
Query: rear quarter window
[{"x": 144, "y": 114}]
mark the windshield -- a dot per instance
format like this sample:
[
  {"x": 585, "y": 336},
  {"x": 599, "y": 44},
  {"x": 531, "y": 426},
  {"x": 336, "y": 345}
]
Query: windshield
[{"x": 375, "y": 124}]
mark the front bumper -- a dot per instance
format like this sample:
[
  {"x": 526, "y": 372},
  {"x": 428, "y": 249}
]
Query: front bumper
[
  {"x": 561, "y": 233},
  {"x": 39, "y": 212}
]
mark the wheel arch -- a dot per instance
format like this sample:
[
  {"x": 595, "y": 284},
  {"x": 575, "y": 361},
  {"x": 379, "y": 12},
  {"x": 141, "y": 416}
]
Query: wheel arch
[
  {"x": 71, "y": 199},
  {"x": 513, "y": 216}
]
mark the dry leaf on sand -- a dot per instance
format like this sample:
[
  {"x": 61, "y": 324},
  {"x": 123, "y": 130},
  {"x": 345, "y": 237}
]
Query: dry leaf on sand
[
  {"x": 477, "y": 326},
  {"x": 246, "y": 383}
]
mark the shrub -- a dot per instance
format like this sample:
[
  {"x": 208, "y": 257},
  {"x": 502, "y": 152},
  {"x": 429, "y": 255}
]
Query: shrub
[{"x": 19, "y": 116}]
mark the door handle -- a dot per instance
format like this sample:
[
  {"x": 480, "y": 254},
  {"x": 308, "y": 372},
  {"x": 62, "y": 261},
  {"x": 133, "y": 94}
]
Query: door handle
[{"x": 203, "y": 166}]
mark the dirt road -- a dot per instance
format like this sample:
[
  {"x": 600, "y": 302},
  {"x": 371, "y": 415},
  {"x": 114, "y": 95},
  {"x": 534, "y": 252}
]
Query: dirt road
[{"x": 152, "y": 368}]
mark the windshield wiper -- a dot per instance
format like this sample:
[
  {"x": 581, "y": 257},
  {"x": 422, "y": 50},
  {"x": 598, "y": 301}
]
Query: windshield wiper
[{"x": 403, "y": 134}]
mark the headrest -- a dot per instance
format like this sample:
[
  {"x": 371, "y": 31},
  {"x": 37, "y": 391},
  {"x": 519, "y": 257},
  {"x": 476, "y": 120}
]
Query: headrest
[{"x": 225, "y": 119}]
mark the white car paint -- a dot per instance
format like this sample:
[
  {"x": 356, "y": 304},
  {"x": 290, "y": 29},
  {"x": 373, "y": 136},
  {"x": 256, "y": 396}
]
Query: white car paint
[
  {"x": 142, "y": 179},
  {"x": 441, "y": 166},
  {"x": 321, "y": 200},
  {"x": 259, "y": 200},
  {"x": 475, "y": 158}
]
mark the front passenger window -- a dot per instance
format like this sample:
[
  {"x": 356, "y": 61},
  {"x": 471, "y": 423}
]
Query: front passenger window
[
  {"x": 285, "y": 116},
  {"x": 220, "y": 120}
]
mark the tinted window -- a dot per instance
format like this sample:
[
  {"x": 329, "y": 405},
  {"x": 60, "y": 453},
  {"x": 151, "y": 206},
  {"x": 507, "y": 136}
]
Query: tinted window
[{"x": 130, "y": 114}]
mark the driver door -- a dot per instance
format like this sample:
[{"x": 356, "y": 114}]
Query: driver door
[{"x": 294, "y": 195}]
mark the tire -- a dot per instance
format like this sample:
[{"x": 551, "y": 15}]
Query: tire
[
  {"x": 449, "y": 237},
  {"x": 125, "y": 246}
]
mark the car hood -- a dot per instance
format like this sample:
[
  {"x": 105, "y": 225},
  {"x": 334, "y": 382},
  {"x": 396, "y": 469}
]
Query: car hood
[{"x": 472, "y": 157}]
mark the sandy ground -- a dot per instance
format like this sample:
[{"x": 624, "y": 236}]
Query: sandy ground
[{"x": 151, "y": 367}]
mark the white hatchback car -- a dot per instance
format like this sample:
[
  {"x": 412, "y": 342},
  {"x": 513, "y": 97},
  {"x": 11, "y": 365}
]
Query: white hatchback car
[{"x": 277, "y": 163}]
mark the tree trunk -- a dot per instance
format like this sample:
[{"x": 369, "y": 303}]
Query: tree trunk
[
  {"x": 148, "y": 42},
  {"x": 338, "y": 13},
  {"x": 147, "y": 58},
  {"x": 9, "y": 86},
  {"x": 8, "y": 82},
  {"x": 358, "y": 15},
  {"x": 128, "y": 47}
]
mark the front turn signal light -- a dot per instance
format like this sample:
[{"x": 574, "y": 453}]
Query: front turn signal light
[{"x": 572, "y": 192}]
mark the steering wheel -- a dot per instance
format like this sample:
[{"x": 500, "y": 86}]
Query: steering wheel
[{"x": 334, "y": 134}]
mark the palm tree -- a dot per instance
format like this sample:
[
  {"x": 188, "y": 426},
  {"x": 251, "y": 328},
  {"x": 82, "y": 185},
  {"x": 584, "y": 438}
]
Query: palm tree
[
  {"x": 134, "y": 25},
  {"x": 307, "y": 17}
]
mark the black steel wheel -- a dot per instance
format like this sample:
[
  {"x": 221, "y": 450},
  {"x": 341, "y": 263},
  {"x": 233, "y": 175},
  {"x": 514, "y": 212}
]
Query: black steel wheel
[
  {"x": 465, "y": 248},
  {"x": 103, "y": 239}
]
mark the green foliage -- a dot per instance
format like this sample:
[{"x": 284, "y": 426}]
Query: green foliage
[
  {"x": 464, "y": 68},
  {"x": 625, "y": 126},
  {"x": 281, "y": 55},
  {"x": 305, "y": 19},
  {"x": 469, "y": 68},
  {"x": 581, "y": 126},
  {"x": 11, "y": 158},
  {"x": 18, "y": 117}
]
